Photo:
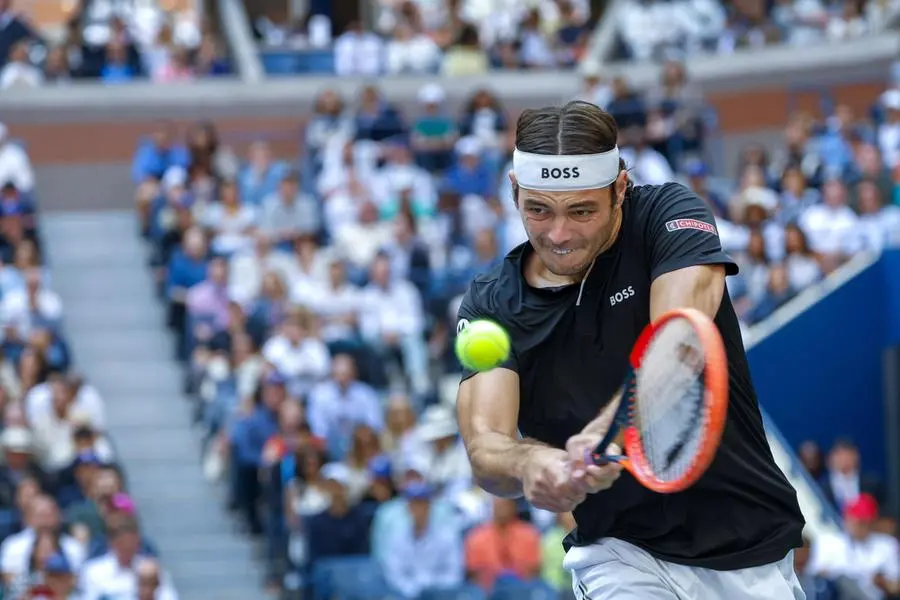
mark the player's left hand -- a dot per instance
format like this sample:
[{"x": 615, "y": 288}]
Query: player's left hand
[{"x": 592, "y": 478}]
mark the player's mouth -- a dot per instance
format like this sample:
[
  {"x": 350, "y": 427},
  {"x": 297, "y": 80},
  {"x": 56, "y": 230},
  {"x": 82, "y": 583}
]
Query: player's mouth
[{"x": 561, "y": 251}]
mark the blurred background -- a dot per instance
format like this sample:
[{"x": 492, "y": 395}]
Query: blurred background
[{"x": 234, "y": 235}]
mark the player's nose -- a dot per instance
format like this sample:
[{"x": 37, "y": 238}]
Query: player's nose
[{"x": 559, "y": 234}]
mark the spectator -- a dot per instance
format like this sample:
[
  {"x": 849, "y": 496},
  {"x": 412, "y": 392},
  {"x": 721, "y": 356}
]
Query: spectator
[
  {"x": 376, "y": 119},
  {"x": 434, "y": 133},
  {"x": 411, "y": 52},
  {"x": 889, "y": 130},
  {"x": 401, "y": 183},
  {"x": 156, "y": 154},
  {"x": 484, "y": 119},
  {"x": 15, "y": 166},
  {"x": 343, "y": 528},
  {"x": 465, "y": 56},
  {"x": 207, "y": 304},
  {"x": 90, "y": 513},
  {"x": 778, "y": 292},
  {"x": 19, "y": 464},
  {"x": 297, "y": 353},
  {"x": 337, "y": 406},
  {"x": 393, "y": 322},
  {"x": 358, "y": 52},
  {"x": 830, "y": 226},
  {"x": 14, "y": 30},
  {"x": 117, "y": 571},
  {"x": 261, "y": 176},
  {"x": 207, "y": 153},
  {"x": 60, "y": 577},
  {"x": 801, "y": 264},
  {"x": 117, "y": 68},
  {"x": 231, "y": 221},
  {"x": 289, "y": 212},
  {"x": 843, "y": 481},
  {"x": 427, "y": 555},
  {"x": 506, "y": 546},
  {"x": 150, "y": 582},
  {"x": 41, "y": 519},
  {"x": 177, "y": 67},
  {"x": 871, "y": 560},
  {"x": 878, "y": 225},
  {"x": 18, "y": 72},
  {"x": 436, "y": 444}
]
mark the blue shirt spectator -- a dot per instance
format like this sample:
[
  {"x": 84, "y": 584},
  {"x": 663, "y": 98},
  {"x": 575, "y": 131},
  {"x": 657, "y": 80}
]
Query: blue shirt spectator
[
  {"x": 425, "y": 554},
  {"x": 262, "y": 175},
  {"x": 251, "y": 433},
  {"x": 156, "y": 154},
  {"x": 342, "y": 529},
  {"x": 470, "y": 175}
]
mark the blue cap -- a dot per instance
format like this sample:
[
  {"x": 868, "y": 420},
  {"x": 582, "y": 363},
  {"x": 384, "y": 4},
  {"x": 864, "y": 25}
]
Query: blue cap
[
  {"x": 417, "y": 490},
  {"x": 695, "y": 168},
  {"x": 380, "y": 467},
  {"x": 58, "y": 563},
  {"x": 88, "y": 457}
]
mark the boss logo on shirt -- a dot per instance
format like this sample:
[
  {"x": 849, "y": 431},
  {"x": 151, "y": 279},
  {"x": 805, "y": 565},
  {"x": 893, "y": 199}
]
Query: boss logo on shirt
[
  {"x": 563, "y": 173},
  {"x": 463, "y": 323},
  {"x": 620, "y": 297},
  {"x": 677, "y": 224}
]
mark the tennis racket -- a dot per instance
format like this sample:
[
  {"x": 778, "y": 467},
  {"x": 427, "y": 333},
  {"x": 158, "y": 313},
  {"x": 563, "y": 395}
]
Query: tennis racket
[{"x": 674, "y": 402}]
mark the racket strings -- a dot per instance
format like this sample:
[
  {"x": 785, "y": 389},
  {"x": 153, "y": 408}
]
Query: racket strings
[{"x": 669, "y": 406}]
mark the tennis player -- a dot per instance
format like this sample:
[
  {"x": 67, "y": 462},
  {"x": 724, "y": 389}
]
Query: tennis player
[{"x": 603, "y": 258}]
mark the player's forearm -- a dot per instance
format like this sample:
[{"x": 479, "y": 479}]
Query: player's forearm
[{"x": 498, "y": 462}]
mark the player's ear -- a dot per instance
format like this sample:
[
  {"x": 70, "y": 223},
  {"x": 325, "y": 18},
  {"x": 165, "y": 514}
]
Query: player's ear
[
  {"x": 515, "y": 187},
  {"x": 621, "y": 187}
]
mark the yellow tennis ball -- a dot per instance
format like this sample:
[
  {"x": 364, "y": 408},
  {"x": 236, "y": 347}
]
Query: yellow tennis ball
[{"x": 482, "y": 345}]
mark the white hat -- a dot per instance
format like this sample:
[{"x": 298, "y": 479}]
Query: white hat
[
  {"x": 437, "y": 423},
  {"x": 431, "y": 93},
  {"x": 16, "y": 439},
  {"x": 336, "y": 471},
  {"x": 468, "y": 146},
  {"x": 891, "y": 99},
  {"x": 759, "y": 196},
  {"x": 174, "y": 177}
]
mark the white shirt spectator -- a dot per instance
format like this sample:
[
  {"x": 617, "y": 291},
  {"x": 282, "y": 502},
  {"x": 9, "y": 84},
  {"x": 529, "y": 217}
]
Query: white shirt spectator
[
  {"x": 15, "y": 166},
  {"x": 889, "y": 131},
  {"x": 15, "y": 552},
  {"x": 358, "y": 54},
  {"x": 231, "y": 233},
  {"x": 418, "y": 54},
  {"x": 334, "y": 306},
  {"x": 837, "y": 555},
  {"x": 335, "y": 411},
  {"x": 648, "y": 167},
  {"x": 396, "y": 310},
  {"x": 87, "y": 402},
  {"x": 829, "y": 230},
  {"x": 878, "y": 230},
  {"x": 18, "y": 74},
  {"x": 433, "y": 559},
  {"x": 360, "y": 242},
  {"x": 309, "y": 360},
  {"x": 392, "y": 179},
  {"x": 803, "y": 271},
  {"x": 246, "y": 270},
  {"x": 15, "y": 310},
  {"x": 104, "y": 577}
]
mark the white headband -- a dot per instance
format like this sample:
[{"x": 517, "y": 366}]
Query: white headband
[{"x": 561, "y": 172}]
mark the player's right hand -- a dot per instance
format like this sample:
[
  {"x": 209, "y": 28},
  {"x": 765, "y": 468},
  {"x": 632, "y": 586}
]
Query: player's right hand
[{"x": 548, "y": 484}]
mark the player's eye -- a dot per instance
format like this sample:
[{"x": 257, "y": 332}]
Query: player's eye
[
  {"x": 581, "y": 213},
  {"x": 537, "y": 210}
]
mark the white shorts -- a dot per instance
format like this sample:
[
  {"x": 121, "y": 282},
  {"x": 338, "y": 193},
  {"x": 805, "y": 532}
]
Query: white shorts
[{"x": 615, "y": 570}]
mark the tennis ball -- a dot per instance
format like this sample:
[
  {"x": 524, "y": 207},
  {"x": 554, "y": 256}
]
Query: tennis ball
[{"x": 482, "y": 345}]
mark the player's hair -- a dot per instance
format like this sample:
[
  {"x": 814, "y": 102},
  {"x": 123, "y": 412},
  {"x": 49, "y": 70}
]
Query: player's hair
[{"x": 575, "y": 128}]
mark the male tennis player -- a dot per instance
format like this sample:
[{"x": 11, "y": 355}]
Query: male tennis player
[{"x": 602, "y": 259}]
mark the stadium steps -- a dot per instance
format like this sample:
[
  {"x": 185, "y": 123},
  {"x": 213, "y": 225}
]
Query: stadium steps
[{"x": 119, "y": 341}]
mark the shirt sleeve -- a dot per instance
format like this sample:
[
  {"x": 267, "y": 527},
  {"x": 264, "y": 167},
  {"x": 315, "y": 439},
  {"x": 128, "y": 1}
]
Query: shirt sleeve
[
  {"x": 474, "y": 306},
  {"x": 682, "y": 232}
]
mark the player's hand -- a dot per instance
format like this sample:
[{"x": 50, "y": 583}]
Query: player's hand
[
  {"x": 548, "y": 484},
  {"x": 593, "y": 478}
]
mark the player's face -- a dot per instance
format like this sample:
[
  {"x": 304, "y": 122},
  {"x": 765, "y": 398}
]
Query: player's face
[{"x": 569, "y": 229}]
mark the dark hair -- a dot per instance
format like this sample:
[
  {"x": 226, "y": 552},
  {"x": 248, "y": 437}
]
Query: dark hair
[{"x": 575, "y": 128}]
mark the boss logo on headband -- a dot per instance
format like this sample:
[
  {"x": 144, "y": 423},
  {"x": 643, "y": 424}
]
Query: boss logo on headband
[{"x": 563, "y": 173}]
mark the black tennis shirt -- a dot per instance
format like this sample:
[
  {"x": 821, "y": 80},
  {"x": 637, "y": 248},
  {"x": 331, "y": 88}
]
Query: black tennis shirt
[{"x": 572, "y": 359}]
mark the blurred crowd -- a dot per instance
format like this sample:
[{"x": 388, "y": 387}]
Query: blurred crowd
[
  {"x": 313, "y": 300},
  {"x": 114, "y": 41},
  {"x": 796, "y": 212},
  {"x": 66, "y": 520},
  {"x": 450, "y": 37},
  {"x": 659, "y": 29},
  {"x": 863, "y": 560}
]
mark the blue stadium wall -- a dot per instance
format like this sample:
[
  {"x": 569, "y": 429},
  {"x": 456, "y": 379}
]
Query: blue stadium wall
[{"x": 820, "y": 375}]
